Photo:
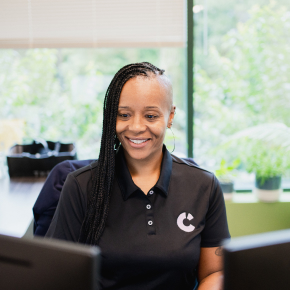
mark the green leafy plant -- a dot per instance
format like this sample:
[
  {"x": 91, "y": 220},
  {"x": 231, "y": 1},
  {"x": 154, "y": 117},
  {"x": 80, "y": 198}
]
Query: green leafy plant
[
  {"x": 264, "y": 149},
  {"x": 225, "y": 172},
  {"x": 244, "y": 80}
]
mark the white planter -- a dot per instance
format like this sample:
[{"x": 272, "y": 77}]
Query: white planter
[
  {"x": 228, "y": 196},
  {"x": 267, "y": 195}
]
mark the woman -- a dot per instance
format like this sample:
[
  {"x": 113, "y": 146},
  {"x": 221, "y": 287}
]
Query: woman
[{"x": 158, "y": 220}]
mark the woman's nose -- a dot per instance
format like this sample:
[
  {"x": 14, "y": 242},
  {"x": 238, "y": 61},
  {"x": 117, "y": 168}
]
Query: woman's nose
[{"x": 137, "y": 124}]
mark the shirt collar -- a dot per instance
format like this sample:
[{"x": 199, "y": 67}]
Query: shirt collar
[{"x": 125, "y": 181}]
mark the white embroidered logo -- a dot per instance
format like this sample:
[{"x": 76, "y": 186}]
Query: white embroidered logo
[{"x": 181, "y": 225}]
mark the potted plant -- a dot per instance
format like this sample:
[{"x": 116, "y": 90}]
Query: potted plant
[
  {"x": 265, "y": 150},
  {"x": 269, "y": 163},
  {"x": 225, "y": 176}
]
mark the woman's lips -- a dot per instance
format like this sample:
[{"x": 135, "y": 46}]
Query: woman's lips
[{"x": 138, "y": 143}]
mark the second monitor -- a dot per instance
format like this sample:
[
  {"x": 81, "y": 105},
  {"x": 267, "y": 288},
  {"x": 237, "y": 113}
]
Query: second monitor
[
  {"x": 37, "y": 263},
  {"x": 258, "y": 262}
]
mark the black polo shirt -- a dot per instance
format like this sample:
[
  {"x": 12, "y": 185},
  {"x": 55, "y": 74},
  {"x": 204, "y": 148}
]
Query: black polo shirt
[{"x": 150, "y": 241}]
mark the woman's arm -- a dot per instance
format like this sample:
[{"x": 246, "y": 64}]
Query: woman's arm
[{"x": 210, "y": 276}]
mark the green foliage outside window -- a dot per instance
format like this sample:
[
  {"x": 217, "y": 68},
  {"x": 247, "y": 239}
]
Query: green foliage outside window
[
  {"x": 59, "y": 92},
  {"x": 245, "y": 82}
]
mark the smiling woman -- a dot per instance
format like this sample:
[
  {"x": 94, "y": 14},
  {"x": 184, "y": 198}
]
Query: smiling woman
[
  {"x": 158, "y": 219},
  {"x": 145, "y": 111}
]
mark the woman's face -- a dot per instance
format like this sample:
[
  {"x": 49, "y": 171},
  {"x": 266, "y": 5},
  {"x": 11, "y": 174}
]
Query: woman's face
[{"x": 145, "y": 111}]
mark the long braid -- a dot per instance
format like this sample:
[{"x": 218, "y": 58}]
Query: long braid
[{"x": 98, "y": 200}]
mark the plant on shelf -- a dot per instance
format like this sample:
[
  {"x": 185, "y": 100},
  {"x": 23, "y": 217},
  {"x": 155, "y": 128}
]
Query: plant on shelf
[
  {"x": 265, "y": 150},
  {"x": 225, "y": 174}
]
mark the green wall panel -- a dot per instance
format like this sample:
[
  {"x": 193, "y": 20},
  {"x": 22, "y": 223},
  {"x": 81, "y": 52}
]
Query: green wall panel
[{"x": 252, "y": 218}]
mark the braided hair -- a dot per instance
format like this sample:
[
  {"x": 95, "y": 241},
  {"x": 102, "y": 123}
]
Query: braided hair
[{"x": 98, "y": 200}]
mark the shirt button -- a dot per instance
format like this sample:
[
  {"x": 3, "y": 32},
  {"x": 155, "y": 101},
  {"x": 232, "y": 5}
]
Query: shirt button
[
  {"x": 150, "y": 223},
  {"x": 148, "y": 206},
  {"x": 151, "y": 192}
]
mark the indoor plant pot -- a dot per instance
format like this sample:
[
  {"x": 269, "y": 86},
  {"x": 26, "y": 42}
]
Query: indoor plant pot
[
  {"x": 268, "y": 189},
  {"x": 225, "y": 174},
  {"x": 265, "y": 151},
  {"x": 227, "y": 188}
]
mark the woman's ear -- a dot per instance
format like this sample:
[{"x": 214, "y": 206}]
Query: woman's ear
[{"x": 171, "y": 116}]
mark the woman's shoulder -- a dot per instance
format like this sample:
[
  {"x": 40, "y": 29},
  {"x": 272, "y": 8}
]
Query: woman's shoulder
[
  {"x": 85, "y": 175},
  {"x": 86, "y": 169},
  {"x": 188, "y": 165},
  {"x": 191, "y": 176}
]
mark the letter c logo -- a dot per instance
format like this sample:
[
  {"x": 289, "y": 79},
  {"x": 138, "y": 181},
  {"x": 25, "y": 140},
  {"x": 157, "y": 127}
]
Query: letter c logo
[{"x": 181, "y": 225}]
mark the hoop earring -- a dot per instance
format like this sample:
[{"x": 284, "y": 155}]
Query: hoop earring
[
  {"x": 116, "y": 143},
  {"x": 173, "y": 139}
]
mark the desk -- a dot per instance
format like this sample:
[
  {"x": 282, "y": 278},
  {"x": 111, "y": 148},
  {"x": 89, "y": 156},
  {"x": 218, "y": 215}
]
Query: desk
[{"x": 17, "y": 197}]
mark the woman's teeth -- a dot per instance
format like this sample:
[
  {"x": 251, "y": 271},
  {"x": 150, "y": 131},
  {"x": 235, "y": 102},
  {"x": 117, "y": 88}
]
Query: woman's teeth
[{"x": 138, "y": 141}]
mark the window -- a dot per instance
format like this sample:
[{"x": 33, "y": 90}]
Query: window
[
  {"x": 58, "y": 93},
  {"x": 242, "y": 88},
  {"x": 53, "y": 86},
  {"x": 58, "y": 57}
]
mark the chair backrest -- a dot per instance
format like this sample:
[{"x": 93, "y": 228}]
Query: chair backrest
[{"x": 46, "y": 203}]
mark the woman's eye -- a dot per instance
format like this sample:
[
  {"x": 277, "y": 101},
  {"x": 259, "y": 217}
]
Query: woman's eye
[
  {"x": 151, "y": 117},
  {"x": 124, "y": 115}
]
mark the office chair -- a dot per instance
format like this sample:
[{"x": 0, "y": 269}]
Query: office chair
[{"x": 46, "y": 203}]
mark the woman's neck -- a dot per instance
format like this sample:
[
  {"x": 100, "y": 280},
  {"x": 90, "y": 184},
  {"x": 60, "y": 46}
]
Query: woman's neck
[
  {"x": 145, "y": 173},
  {"x": 145, "y": 167}
]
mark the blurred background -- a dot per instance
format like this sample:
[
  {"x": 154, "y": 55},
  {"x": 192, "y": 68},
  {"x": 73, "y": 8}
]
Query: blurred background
[
  {"x": 242, "y": 87},
  {"x": 57, "y": 94},
  {"x": 52, "y": 87}
]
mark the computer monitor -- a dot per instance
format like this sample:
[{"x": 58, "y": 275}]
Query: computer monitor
[
  {"x": 258, "y": 262},
  {"x": 47, "y": 264}
]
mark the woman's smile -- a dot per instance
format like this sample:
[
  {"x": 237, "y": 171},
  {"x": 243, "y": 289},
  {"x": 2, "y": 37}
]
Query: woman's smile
[{"x": 138, "y": 143}]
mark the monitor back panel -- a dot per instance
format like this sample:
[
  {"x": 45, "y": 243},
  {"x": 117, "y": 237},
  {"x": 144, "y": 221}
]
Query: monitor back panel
[
  {"x": 40, "y": 264},
  {"x": 264, "y": 267}
]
